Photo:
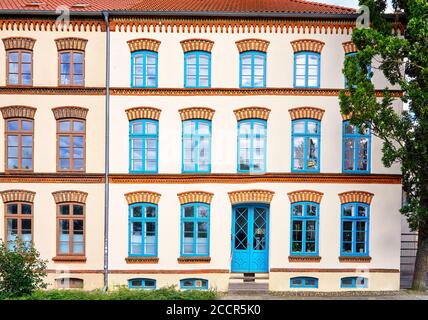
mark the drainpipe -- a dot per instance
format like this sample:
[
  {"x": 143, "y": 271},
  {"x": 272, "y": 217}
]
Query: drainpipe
[{"x": 107, "y": 152}]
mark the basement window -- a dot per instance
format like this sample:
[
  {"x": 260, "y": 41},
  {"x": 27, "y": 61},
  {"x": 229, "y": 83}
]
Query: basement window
[{"x": 69, "y": 283}]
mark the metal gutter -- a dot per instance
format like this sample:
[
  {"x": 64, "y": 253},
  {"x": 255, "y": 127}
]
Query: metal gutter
[{"x": 107, "y": 154}]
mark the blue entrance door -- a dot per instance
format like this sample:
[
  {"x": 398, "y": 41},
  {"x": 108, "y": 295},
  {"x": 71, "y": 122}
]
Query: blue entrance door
[{"x": 250, "y": 238}]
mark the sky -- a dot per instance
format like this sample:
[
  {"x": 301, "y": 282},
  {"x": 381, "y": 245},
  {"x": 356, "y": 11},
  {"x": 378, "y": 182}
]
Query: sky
[{"x": 346, "y": 3}]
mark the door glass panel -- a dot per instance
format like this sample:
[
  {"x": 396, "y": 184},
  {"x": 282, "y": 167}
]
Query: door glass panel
[
  {"x": 241, "y": 228},
  {"x": 259, "y": 235}
]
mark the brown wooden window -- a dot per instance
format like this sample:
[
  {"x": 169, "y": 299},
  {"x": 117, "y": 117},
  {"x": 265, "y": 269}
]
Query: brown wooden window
[
  {"x": 18, "y": 225},
  {"x": 71, "y": 144},
  {"x": 69, "y": 283},
  {"x": 19, "y": 144},
  {"x": 19, "y": 67},
  {"x": 71, "y": 68},
  {"x": 71, "y": 229}
]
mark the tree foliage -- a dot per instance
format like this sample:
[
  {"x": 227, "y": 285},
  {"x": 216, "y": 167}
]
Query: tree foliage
[
  {"x": 21, "y": 271},
  {"x": 403, "y": 59}
]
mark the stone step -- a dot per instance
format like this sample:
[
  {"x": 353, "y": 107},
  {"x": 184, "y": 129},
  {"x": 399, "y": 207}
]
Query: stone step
[{"x": 248, "y": 286}]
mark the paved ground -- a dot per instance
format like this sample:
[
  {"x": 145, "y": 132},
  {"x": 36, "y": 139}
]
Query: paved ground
[{"x": 402, "y": 295}]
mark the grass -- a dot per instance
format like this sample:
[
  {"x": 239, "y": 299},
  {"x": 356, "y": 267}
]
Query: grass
[{"x": 123, "y": 293}]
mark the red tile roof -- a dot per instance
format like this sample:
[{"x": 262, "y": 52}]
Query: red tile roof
[{"x": 226, "y": 6}]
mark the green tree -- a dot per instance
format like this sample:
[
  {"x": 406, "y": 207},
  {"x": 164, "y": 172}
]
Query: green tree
[
  {"x": 21, "y": 271},
  {"x": 403, "y": 59}
]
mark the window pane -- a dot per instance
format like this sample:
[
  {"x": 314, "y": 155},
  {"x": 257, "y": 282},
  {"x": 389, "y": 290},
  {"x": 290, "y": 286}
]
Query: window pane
[
  {"x": 188, "y": 211},
  {"x": 299, "y": 126},
  {"x": 64, "y": 209},
  {"x": 64, "y": 236},
  {"x": 12, "y": 125},
  {"x": 137, "y": 212},
  {"x": 188, "y": 238},
  {"x": 27, "y": 125},
  {"x": 202, "y": 212},
  {"x": 12, "y": 209},
  {"x": 77, "y": 210},
  {"x": 78, "y": 243},
  {"x": 26, "y": 209},
  {"x": 150, "y": 212}
]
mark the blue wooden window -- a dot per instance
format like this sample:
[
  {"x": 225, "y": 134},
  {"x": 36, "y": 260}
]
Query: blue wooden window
[
  {"x": 252, "y": 145},
  {"x": 305, "y": 145},
  {"x": 195, "y": 229},
  {"x": 143, "y": 230},
  {"x": 197, "y": 69},
  {"x": 196, "y": 146},
  {"x": 356, "y": 149},
  {"x": 143, "y": 146},
  {"x": 144, "y": 69},
  {"x": 252, "y": 70},
  {"x": 354, "y": 282},
  {"x": 304, "y": 282},
  {"x": 141, "y": 283},
  {"x": 304, "y": 228},
  {"x": 194, "y": 284},
  {"x": 307, "y": 69},
  {"x": 355, "y": 229}
]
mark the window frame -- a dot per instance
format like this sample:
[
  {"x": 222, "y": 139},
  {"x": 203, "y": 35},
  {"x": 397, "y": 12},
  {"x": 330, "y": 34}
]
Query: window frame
[
  {"x": 252, "y": 137},
  {"x": 19, "y": 217},
  {"x": 70, "y": 219},
  {"x": 307, "y": 54},
  {"x": 71, "y": 134},
  {"x": 253, "y": 54},
  {"x": 306, "y": 135},
  {"x": 195, "y": 220},
  {"x": 369, "y": 69},
  {"x": 354, "y": 284},
  {"x": 196, "y": 138},
  {"x": 354, "y": 219},
  {"x": 198, "y": 53},
  {"x": 144, "y": 137},
  {"x": 304, "y": 285},
  {"x": 203, "y": 287},
  {"x": 143, "y": 286},
  {"x": 71, "y": 74},
  {"x": 355, "y": 136},
  {"x": 143, "y": 220},
  {"x": 20, "y": 79},
  {"x": 19, "y": 133},
  {"x": 305, "y": 218},
  {"x": 145, "y": 54}
]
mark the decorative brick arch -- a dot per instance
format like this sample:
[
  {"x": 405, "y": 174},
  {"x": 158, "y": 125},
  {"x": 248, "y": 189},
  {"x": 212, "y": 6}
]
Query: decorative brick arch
[
  {"x": 349, "y": 47},
  {"x": 18, "y": 196},
  {"x": 19, "y": 43},
  {"x": 305, "y": 195},
  {"x": 197, "y": 45},
  {"x": 306, "y": 113},
  {"x": 70, "y": 196},
  {"x": 195, "y": 196},
  {"x": 71, "y": 44},
  {"x": 144, "y": 44},
  {"x": 70, "y": 112},
  {"x": 307, "y": 45},
  {"x": 346, "y": 117},
  {"x": 18, "y": 112},
  {"x": 252, "y": 113},
  {"x": 143, "y": 113},
  {"x": 252, "y": 45},
  {"x": 356, "y": 196},
  {"x": 142, "y": 196},
  {"x": 196, "y": 113},
  {"x": 245, "y": 196}
]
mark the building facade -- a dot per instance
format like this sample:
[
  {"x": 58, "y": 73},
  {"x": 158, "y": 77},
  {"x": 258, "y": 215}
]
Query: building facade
[{"x": 228, "y": 157}]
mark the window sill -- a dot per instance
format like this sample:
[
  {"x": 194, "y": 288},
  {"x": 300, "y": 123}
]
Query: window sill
[
  {"x": 304, "y": 258},
  {"x": 355, "y": 259},
  {"x": 134, "y": 260},
  {"x": 184, "y": 260},
  {"x": 69, "y": 259}
]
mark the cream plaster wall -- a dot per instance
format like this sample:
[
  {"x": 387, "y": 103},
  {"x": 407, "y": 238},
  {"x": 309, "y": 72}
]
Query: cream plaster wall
[
  {"x": 225, "y": 58},
  {"x": 224, "y": 131},
  {"x": 45, "y": 56},
  {"x": 45, "y": 149},
  {"x": 44, "y": 220},
  {"x": 330, "y": 281},
  {"x": 385, "y": 225},
  {"x": 217, "y": 281}
]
